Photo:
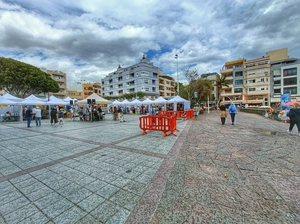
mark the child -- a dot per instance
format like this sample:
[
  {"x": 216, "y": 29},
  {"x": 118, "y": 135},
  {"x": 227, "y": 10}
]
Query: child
[{"x": 61, "y": 116}]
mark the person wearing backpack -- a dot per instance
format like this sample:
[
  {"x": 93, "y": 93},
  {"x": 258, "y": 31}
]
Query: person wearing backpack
[{"x": 232, "y": 111}]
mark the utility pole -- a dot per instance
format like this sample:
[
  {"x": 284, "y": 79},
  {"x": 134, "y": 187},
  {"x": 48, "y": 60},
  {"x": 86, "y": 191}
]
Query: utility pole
[{"x": 176, "y": 56}]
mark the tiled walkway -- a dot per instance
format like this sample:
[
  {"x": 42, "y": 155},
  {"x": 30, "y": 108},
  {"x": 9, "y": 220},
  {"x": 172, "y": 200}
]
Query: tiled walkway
[{"x": 107, "y": 172}]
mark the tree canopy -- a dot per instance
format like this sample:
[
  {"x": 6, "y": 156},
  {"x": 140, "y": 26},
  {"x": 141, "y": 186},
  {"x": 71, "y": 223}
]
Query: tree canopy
[
  {"x": 21, "y": 79},
  {"x": 220, "y": 82}
]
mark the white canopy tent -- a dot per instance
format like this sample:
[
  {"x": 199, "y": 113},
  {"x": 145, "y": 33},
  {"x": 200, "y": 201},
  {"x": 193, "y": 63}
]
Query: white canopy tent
[
  {"x": 56, "y": 101},
  {"x": 160, "y": 100},
  {"x": 135, "y": 102},
  {"x": 117, "y": 103},
  {"x": 5, "y": 101},
  {"x": 147, "y": 101},
  {"x": 178, "y": 99},
  {"x": 12, "y": 98},
  {"x": 32, "y": 100},
  {"x": 68, "y": 99},
  {"x": 94, "y": 96}
]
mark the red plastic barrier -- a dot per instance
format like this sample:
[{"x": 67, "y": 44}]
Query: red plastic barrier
[
  {"x": 167, "y": 113},
  {"x": 185, "y": 114},
  {"x": 166, "y": 124}
]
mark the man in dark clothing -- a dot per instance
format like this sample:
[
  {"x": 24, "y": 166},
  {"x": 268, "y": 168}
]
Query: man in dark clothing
[
  {"x": 53, "y": 116},
  {"x": 294, "y": 115},
  {"x": 28, "y": 115}
]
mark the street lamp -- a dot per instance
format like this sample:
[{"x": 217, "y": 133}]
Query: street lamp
[{"x": 176, "y": 56}]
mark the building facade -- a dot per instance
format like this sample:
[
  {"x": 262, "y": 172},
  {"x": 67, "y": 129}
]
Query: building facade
[
  {"x": 234, "y": 71},
  {"x": 166, "y": 85},
  {"x": 61, "y": 79},
  {"x": 142, "y": 76},
  {"x": 257, "y": 82},
  {"x": 285, "y": 79},
  {"x": 212, "y": 77}
]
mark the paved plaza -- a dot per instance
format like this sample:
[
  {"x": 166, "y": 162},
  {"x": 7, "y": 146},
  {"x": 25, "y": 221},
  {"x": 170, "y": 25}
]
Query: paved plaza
[{"x": 107, "y": 172}]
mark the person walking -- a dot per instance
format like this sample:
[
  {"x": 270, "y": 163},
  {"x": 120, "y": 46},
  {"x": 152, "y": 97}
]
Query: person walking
[
  {"x": 38, "y": 116},
  {"x": 53, "y": 116},
  {"x": 294, "y": 115},
  {"x": 61, "y": 116},
  {"x": 28, "y": 115},
  {"x": 115, "y": 113},
  {"x": 232, "y": 111},
  {"x": 223, "y": 113}
]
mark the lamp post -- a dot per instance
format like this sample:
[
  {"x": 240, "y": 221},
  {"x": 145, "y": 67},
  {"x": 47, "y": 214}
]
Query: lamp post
[{"x": 176, "y": 56}]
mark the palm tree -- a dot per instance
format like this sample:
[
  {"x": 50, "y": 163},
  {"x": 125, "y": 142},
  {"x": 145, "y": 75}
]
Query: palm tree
[{"x": 220, "y": 82}]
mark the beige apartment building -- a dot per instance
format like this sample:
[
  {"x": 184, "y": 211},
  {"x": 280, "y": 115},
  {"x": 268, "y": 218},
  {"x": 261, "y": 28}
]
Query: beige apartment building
[
  {"x": 166, "y": 86},
  {"x": 257, "y": 82},
  {"x": 234, "y": 71},
  {"x": 61, "y": 79}
]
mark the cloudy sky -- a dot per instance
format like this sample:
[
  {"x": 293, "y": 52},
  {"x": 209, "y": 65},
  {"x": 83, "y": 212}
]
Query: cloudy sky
[{"x": 87, "y": 39}]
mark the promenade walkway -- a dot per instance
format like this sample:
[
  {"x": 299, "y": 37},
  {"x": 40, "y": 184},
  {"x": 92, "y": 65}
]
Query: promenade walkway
[{"x": 107, "y": 172}]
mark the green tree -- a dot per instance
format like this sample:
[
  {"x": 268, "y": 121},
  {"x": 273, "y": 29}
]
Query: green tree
[
  {"x": 220, "y": 82},
  {"x": 21, "y": 79},
  {"x": 191, "y": 76}
]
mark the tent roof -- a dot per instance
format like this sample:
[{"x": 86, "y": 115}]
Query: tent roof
[
  {"x": 68, "y": 99},
  {"x": 135, "y": 102},
  {"x": 6, "y": 101},
  {"x": 98, "y": 99},
  {"x": 32, "y": 100},
  {"x": 56, "y": 101},
  {"x": 160, "y": 100},
  {"x": 177, "y": 99},
  {"x": 11, "y": 97},
  {"x": 147, "y": 101},
  {"x": 35, "y": 98},
  {"x": 117, "y": 102}
]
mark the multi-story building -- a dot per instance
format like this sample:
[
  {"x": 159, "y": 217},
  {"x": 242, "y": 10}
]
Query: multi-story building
[
  {"x": 285, "y": 79},
  {"x": 234, "y": 71},
  {"x": 61, "y": 79},
  {"x": 75, "y": 94},
  {"x": 257, "y": 82},
  {"x": 142, "y": 76},
  {"x": 212, "y": 77},
  {"x": 97, "y": 88},
  {"x": 87, "y": 89},
  {"x": 166, "y": 85}
]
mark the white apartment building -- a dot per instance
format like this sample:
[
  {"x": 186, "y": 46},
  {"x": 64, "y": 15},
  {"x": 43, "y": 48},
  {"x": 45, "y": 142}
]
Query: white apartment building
[{"x": 142, "y": 76}]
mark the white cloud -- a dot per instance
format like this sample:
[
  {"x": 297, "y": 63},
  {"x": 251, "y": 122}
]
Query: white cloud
[{"x": 89, "y": 39}]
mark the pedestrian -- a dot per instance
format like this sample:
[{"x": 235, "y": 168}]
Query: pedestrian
[
  {"x": 38, "y": 116},
  {"x": 294, "y": 115},
  {"x": 61, "y": 116},
  {"x": 115, "y": 113},
  {"x": 28, "y": 115},
  {"x": 283, "y": 115},
  {"x": 53, "y": 116},
  {"x": 223, "y": 113},
  {"x": 232, "y": 111}
]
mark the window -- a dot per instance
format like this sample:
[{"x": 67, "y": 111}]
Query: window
[
  {"x": 291, "y": 90},
  {"x": 277, "y": 91},
  {"x": 143, "y": 73},
  {"x": 145, "y": 81},
  {"x": 277, "y": 82},
  {"x": 154, "y": 75},
  {"x": 238, "y": 74},
  {"x": 251, "y": 89},
  {"x": 290, "y": 72},
  {"x": 290, "y": 81},
  {"x": 238, "y": 82},
  {"x": 238, "y": 90},
  {"x": 260, "y": 80},
  {"x": 251, "y": 81}
]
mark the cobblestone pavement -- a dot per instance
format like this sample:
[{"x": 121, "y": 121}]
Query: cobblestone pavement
[{"x": 107, "y": 172}]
